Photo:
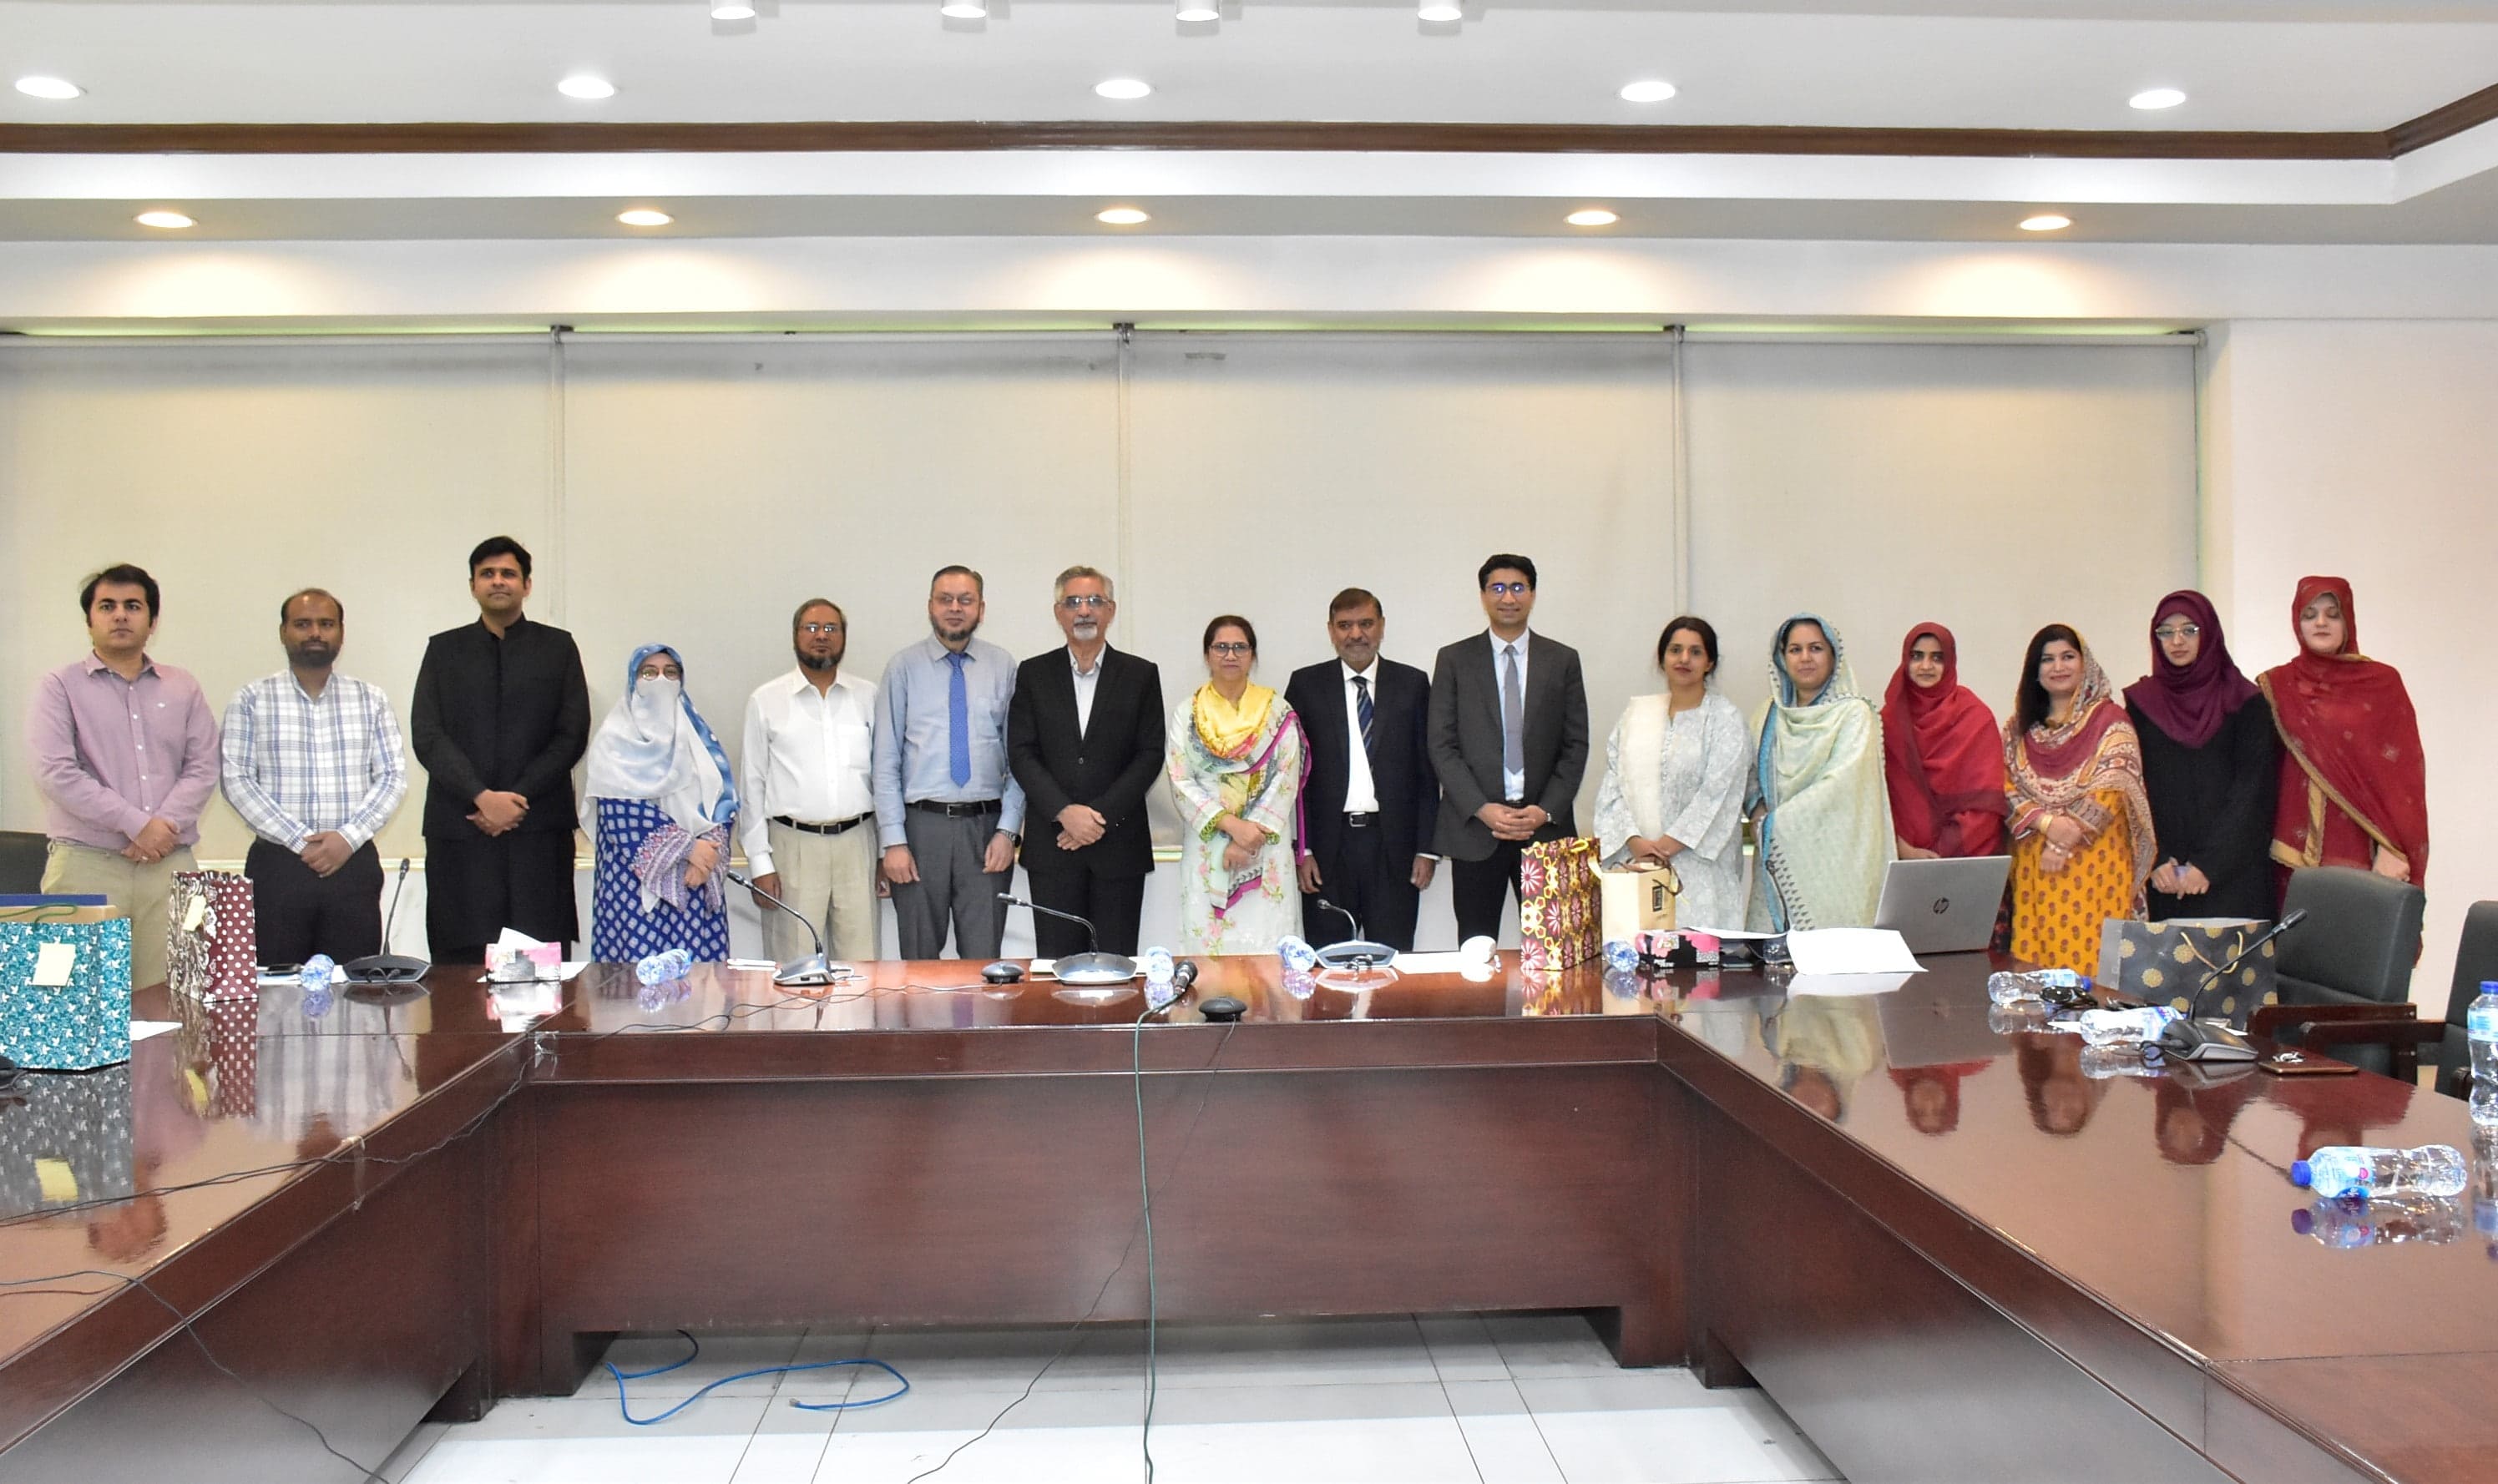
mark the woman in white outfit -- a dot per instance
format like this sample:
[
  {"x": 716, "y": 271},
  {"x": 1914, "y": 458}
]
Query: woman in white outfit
[{"x": 1674, "y": 770}]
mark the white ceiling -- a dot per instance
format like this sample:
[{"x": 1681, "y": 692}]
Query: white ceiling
[{"x": 2246, "y": 65}]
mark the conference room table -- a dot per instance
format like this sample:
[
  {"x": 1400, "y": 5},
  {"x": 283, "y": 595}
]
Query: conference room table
[{"x": 1950, "y": 1244}]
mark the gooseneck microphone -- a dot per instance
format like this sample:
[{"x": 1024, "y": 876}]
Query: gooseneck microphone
[
  {"x": 1092, "y": 967},
  {"x": 2240, "y": 957},
  {"x": 1356, "y": 951},
  {"x": 811, "y": 971},
  {"x": 394, "y": 971}
]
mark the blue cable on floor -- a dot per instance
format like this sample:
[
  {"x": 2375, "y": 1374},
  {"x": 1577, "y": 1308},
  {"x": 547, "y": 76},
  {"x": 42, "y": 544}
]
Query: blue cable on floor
[{"x": 621, "y": 1377}]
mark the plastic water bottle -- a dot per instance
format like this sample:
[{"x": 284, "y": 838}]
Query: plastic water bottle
[
  {"x": 2365, "y": 1173},
  {"x": 2124, "y": 1027},
  {"x": 320, "y": 971},
  {"x": 1620, "y": 957},
  {"x": 2009, "y": 989},
  {"x": 660, "y": 967},
  {"x": 2481, "y": 1025},
  {"x": 2382, "y": 1223},
  {"x": 1296, "y": 953}
]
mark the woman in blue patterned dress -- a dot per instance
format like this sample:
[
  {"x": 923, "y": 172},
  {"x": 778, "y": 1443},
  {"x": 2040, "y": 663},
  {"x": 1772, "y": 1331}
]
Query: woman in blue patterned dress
[{"x": 666, "y": 798}]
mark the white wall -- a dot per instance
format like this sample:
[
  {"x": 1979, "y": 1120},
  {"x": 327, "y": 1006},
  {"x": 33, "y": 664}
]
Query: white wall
[{"x": 2369, "y": 451}]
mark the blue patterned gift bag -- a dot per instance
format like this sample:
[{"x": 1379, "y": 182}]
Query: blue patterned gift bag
[{"x": 64, "y": 987}]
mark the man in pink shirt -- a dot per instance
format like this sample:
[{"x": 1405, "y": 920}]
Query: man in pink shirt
[{"x": 126, "y": 754}]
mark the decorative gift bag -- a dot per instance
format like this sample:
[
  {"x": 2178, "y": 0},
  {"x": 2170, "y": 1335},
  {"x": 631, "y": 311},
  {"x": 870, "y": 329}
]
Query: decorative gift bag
[
  {"x": 1637, "y": 902},
  {"x": 2172, "y": 962},
  {"x": 64, "y": 987},
  {"x": 211, "y": 950},
  {"x": 64, "y": 1140},
  {"x": 1559, "y": 911}
]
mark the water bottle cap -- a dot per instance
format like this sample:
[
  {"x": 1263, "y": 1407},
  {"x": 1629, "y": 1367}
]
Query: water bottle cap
[
  {"x": 2303, "y": 1220},
  {"x": 2300, "y": 1174}
]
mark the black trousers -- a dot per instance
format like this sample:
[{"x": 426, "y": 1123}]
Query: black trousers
[
  {"x": 1476, "y": 888},
  {"x": 298, "y": 912},
  {"x": 1374, "y": 883},
  {"x": 1116, "y": 906},
  {"x": 476, "y": 885}
]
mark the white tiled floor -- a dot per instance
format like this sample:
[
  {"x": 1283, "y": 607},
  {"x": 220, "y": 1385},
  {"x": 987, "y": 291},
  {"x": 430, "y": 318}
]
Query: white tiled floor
[{"x": 1498, "y": 1399}]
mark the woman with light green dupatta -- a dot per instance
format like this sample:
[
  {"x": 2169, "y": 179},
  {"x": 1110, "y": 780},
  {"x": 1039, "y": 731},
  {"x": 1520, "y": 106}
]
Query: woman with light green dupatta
[{"x": 1817, "y": 790}]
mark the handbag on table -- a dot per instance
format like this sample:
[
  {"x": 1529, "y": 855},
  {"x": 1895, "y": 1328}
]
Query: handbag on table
[
  {"x": 2200, "y": 967},
  {"x": 64, "y": 986},
  {"x": 1558, "y": 910},
  {"x": 212, "y": 941}
]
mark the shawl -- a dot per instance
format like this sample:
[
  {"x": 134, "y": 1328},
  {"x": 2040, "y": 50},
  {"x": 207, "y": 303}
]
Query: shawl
[
  {"x": 2189, "y": 703},
  {"x": 1939, "y": 751},
  {"x": 2060, "y": 767},
  {"x": 1826, "y": 840},
  {"x": 655, "y": 746},
  {"x": 2348, "y": 722},
  {"x": 1234, "y": 742}
]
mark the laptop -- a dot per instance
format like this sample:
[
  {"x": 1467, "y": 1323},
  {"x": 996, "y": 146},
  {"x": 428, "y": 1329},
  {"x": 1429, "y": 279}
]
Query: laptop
[{"x": 1943, "y": 906}]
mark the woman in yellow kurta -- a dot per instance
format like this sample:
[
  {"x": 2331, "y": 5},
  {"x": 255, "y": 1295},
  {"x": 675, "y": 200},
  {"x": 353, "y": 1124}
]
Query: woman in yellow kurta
[
  {"x": 1236, "y": 775},
  {"x": 2082, "y": 843}
]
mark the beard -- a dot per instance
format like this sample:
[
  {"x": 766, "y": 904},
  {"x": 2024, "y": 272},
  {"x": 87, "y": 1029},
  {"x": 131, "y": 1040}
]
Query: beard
[
  {"x": 939, "y": 629},
  {"x": 1087, "y": 630},
  {"x": 314, "y": 655},
  {"x": 819, "y": 662}
]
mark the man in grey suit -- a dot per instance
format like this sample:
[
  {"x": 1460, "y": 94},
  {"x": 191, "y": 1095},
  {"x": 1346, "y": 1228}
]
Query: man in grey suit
[{"x": 1509, "y": 740}]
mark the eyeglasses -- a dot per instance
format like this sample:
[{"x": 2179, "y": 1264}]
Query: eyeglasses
[
  {"x": 2177, "y": 631},
  {"x": 1228, "y": 650},
  {"x": 820, "y": 628},
  {"x": 1077, "y": 602},
  {"x": 955, "y": 599},
  {"x": 1509, "y": 589}
]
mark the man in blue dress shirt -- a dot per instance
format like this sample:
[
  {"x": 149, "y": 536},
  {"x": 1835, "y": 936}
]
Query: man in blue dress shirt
[{"x": 947, "y": 811}]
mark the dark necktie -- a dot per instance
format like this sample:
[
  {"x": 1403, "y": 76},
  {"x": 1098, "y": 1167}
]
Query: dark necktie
[{"x": 1364, "y": 708}]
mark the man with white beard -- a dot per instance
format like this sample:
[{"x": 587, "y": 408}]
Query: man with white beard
[{"x": 1084, "y": 736}]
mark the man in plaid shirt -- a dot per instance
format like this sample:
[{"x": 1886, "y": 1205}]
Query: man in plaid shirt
[{"x": 313, "y": 764}]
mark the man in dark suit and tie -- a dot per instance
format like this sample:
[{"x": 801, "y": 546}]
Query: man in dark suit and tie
[
  {"x": 1509, "y": 740},
  {"x": 1084, "y": 738},
  {"x": 1371, "y": 798}
]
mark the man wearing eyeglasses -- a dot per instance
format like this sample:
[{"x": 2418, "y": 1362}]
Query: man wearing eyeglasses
[
  {"x": 1084, "y": 735},
  {"x": 1509, "y": 740},
  {"x": 808, "y": 825},
  {"x": 948, "y": 812}
]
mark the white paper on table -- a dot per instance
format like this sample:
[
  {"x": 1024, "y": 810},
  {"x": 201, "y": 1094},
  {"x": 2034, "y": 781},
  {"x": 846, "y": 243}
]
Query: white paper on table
[
  {"x": 1733, "y": 934},
  {"x": 1837, "y": 985},
  {"x": 564, "y": 973},
  {"x": 140, "y": 1030},
  {"x": 1851, "y": 951},
  {"x": 1450, "y": 962}
]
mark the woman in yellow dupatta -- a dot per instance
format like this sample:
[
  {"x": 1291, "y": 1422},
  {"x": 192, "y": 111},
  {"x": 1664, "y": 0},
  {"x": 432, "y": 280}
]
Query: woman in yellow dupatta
[
  {"x": 2082, "y": 842},
  {"x": 1236, "y": 763}
]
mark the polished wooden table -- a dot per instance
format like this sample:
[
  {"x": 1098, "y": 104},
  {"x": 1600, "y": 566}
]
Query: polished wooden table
[{"x": 1951, "y": 1250}]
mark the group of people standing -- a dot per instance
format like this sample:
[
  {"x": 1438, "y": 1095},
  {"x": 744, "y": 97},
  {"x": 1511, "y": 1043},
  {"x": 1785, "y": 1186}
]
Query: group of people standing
[{"x": 1346, "y": 790}]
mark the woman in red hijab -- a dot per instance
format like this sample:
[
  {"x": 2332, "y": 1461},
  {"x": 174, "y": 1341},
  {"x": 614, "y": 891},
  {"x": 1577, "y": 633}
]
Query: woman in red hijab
[
  {"x": 2354, "y": 782},
  {"x": 1940, "y": 754}
]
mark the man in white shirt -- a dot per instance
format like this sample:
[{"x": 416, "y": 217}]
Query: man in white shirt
[{"x": 810, "y": 811}]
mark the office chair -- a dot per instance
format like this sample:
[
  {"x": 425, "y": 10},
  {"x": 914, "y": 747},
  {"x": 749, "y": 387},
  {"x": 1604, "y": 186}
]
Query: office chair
[
  {"x": 23, "y": 853},
  {"x": 2349, "y": 966}
]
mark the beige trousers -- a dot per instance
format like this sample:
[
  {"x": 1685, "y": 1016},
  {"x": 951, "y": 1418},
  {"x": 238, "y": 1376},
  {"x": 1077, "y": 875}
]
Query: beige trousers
[
  {"x": 138, "y": 891},
  {"x": 831, "y": 879}
]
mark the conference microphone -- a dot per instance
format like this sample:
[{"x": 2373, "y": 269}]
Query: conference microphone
[
  {"x": 1356, "y": 951},
  {"x": 395, "y": 971},
  {"x": 1090, "y": 968},
  {"x": 2240, "y": 957},
  {"x": 813, "y": 971}
]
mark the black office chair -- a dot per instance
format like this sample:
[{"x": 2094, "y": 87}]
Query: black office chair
[
  {"x": 23, "y": 853},
  {"x": 2361, "y": 939},
  {"x": 2475, "y": 961}
]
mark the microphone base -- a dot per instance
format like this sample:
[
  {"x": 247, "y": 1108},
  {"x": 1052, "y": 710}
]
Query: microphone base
[
  {"x": 814, "y": 972},
  {"x": 385, "y": 969},
  {"x": 1356, "y": 954},
  {"x": 1094, "y": 968}
]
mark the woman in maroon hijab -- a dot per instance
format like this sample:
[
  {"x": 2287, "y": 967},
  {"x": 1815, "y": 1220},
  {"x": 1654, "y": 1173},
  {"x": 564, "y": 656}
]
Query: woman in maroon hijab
[
  {"x": 2354, "y": 782},
  {"x": 1942, "y": 755},
  {"x": 2211, "y": 766}
]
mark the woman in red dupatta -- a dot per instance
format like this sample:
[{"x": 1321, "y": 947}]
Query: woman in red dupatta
[
  {"x": 1942, "y": 755},
  {"x": 2353, "y": 780}
]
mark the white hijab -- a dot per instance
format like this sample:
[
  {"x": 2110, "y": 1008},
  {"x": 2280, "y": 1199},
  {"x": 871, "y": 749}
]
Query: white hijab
[{"x": 652, "y": 746}]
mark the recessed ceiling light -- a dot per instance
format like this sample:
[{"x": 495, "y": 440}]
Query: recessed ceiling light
[
  {"x": 1592, "y": 216},
  {"x": 2045, "y": 221},
  {"x": 1647, "y": 91},
  {"x": 644, "y": 216},
  {"x": 1121, "y": 216},
  {"x": 1439, "y": 13},
  {"x": 1194, "y": 11},
  {"x": 1124, "y": 89},
  {"x": 2156, "y": 98},
  {"x": 59, "y": 90},
  {"x": 731, "y": 9},
  {"x": 582, "y": 84},
  {"x": 170, "y": 221},
  {"x": 965, "y": 9}
]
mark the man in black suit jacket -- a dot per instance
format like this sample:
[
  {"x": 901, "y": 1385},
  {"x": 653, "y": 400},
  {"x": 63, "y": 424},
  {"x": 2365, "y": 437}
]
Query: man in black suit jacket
[
  {"x": 1509, "y": 740},
  {"x": 1370, "y": 797},
  {"x": 1084, "y": 738}
]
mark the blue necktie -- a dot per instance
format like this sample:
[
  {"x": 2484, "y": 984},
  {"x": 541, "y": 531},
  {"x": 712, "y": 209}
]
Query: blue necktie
[
  {"x": 958, "y": 721},
  {"x": 1365, "y": 710}
]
